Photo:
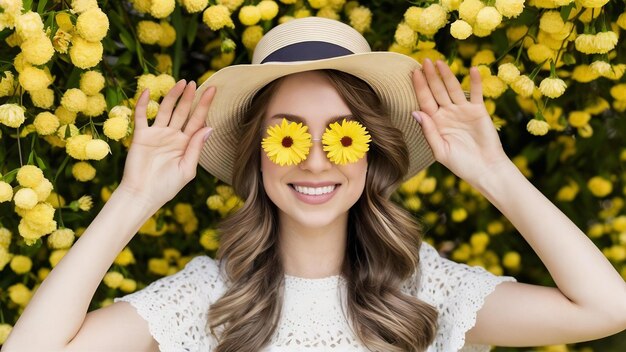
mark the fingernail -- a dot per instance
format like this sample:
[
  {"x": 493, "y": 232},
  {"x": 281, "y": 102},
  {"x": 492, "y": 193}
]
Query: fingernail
[
  {"x": 206, "y": 135},
  {"x": 417, "y": 116}
]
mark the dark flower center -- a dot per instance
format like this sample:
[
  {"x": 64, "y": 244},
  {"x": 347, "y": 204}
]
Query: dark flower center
[
  {"x": 346, "y": 141},
  {"x": 287, "y": 142}
]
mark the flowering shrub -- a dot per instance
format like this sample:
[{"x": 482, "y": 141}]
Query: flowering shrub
[{"x": 71, "y": 71}]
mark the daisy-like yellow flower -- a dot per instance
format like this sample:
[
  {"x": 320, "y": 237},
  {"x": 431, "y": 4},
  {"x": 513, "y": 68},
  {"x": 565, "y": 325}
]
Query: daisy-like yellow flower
[
  {"x": 288, "y": 143},
  {"x": 346, "y": 142}
]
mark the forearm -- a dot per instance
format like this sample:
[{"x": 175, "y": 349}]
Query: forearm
[
  {"x": 57, "y": 310},
  {"x": 579, "y": 269}
]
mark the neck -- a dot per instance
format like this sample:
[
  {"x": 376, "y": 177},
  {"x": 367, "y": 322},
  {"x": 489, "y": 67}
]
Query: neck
[{"x": 312, "y": 252}]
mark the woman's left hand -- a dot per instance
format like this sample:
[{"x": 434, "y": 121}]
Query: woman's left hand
[{"x": 460, "y": 132}]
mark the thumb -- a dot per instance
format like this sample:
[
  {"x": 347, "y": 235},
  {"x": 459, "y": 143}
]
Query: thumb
[
  {"x": 192, "y": 154},
  {"x": 430, "y": 132}
]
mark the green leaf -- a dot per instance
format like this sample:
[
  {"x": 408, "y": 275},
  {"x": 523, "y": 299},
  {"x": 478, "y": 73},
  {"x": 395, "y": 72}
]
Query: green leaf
[
  {"x": 177, "y": 22},
  {"x": 569, "y": 59},
  {"x": 112, "y": 97},
  {"x": 41, "y": 6},
  {"x": 27, "y": 5},
  {"x": 192, "y": 29},
  {"x": 41, "y": 163},
  {"x": 565, "y": 10},
  {"x": 10, "y": 176},
  {"x": 128, "y": 41}
]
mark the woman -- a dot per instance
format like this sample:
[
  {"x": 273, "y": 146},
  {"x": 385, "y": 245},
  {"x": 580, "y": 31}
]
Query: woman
[{"x": 318, "y": 258}]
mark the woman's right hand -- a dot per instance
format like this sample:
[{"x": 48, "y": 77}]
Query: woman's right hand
[{"x": 163, "y": 157}]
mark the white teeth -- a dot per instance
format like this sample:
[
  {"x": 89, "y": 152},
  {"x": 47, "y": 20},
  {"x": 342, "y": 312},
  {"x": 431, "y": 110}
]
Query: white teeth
[{"x": 314, "y": 191}]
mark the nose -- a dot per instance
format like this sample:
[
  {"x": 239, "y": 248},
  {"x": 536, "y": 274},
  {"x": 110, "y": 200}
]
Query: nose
[{"x": 316, "y": 161}]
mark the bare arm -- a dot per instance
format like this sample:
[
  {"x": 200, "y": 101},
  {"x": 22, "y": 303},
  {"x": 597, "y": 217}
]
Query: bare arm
[
  {"x": 590, "y": 301},
  {"x": 161, "y": 160}
]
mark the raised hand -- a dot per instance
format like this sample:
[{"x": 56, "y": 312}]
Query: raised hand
[
  {"x": 163, "y": 157},
  {"x": 460, "y": 132}
]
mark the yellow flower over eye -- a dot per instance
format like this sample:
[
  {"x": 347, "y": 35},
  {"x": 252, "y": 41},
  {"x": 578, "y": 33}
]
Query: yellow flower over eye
[
  {"x": 288, "y": 143},
  {"x": 346, "y": 142}
]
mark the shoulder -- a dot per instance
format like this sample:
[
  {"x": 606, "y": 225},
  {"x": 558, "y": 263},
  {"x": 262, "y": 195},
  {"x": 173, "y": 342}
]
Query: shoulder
[{"x": 182, "y": 299}]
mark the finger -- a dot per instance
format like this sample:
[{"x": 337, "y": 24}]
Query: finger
[
  {"x": 452, "y": 83},
  {"x": 431, "y": 133},
  {"x": 436, "y": 84},
  {"x": 167, "y": 105},
  {"x": 476, "y": 86},
  {"x": 424, "y": 96},
  {"x": 192, "y": 154},
  {"x": 181, "y": 113},
  {"x": 199, "y": 114},
  {"x": 140, "y": 110}
]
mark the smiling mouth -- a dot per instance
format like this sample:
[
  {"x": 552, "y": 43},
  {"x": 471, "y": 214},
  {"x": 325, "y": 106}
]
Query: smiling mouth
[{"x": 314, "y": 191}]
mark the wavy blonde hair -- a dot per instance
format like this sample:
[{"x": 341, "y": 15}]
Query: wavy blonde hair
[{"x": 382, "y": 244}]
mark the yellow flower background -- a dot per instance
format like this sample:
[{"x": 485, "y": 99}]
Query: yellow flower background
[{"x": 71, "y": 71}]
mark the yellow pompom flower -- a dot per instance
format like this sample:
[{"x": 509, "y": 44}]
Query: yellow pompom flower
[
  {"x": 512, "y": 260},
  {"x": 599, "y": 186},
  {"x": 318, "y": 4},
  {"x": 568, "y": 192},
  {"x": 96, "y": 149},
  {"x": 327, "y": 12},
  {"x": 168, "y": 35},
  {"x": 74, "y": 100},
  {"x": 116, "y": 128},
  {"x": 600, "y": 43},
  {"x": 37, "y": 50},
  {"x": 616, "y": 72},
  {"x": 621, "y": 20},
  {"x": 113, "y": 279},
  {"x": 249, "y": 15},
  {"x": 488, "y": 18},
  {"x": 25, "y": 198},
  {"x": 152, "y": 109},
  {"x": 251, "y": 37},
  {"x": 215, "y": 202},
  {"x": 600, "y": 67},
  {"x": 66, "y": 131},
  {"x": 510, "y": 8},
  {"x": 162, "y": 8},
  {"x": 61, "y": 41},
  {"x": 158, "y": 266},
  {"x": 551, "y": 22},
  {"x": 346, "y": 142},
  {"x": 91, "y": 82},
  {"x": 85, "y": 54},
  {"x": 552, "y": 87},
  {"x": 80, "y": 6},
  {"x": 539, "y": 53},
  {"x": 458, "y": 214},
  {"x": 11, "y": 115},
  {"x": 29, "y": 176},
  {"x": 7, "y": 83},
  {"x": 83, "y": 171},
  {"x": 579, "y": 118},
  {"x": 96, "y": 105},
  {"x": 537, "y": 127},
  {"x": 405, "y": 36},
  {"x": 128, "y": 285},
  {"x": 21, "y": 264},
  {"x": 460, "y": 29},
  {"x": 84, "y": 203},
  {"x": 125, "y": 257},
  {"x": 468, "y": 10},
  {"x": 217, "y": 17},
  {"x": 76, "y": 146},
  {"x": 5, "y": 331},
  {"x": 46, "y": 123},
  {"x": 5, "y": 236},
  {"x": 360, "y": 19},
  {"x": 508, "y": 72},
  {"x": 43, "y": 190},
  {"x": 493, "y": 86},
  {"x": 6, "y": 192},
  {"x": 268, "y": 8},
  {"x": 593, "y": 3},
  {"x": 149, "y": 32},
  {"x": 19, "y": 294},
  {"x": 65, "y": 116},
  {"x": 33, "y": 78},
  {"x": 28, "y": 25},
  {"x": 584, "y": 74},
  {"x": 42, "y": 98},
  {"x": 61, "y": 238},
  {"x": 287, "y": 143},
  {"x": 523, "y": 86},
  {"x": 209, "y": 240},
  {"x": 93, "y": 24},
  {"x": 163, "y": 83},
  {"x": 193, "y": 6}
]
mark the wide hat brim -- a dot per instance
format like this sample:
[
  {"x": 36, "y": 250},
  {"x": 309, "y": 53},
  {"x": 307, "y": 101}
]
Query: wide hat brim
[{"x": 388, "y": 73}]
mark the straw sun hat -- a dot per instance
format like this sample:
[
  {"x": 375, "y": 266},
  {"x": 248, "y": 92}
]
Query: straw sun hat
[{"x": 306, "y": 44}]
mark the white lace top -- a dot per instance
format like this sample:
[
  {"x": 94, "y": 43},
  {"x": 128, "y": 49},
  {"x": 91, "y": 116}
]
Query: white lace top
[{"x": 176, "y": 307}]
